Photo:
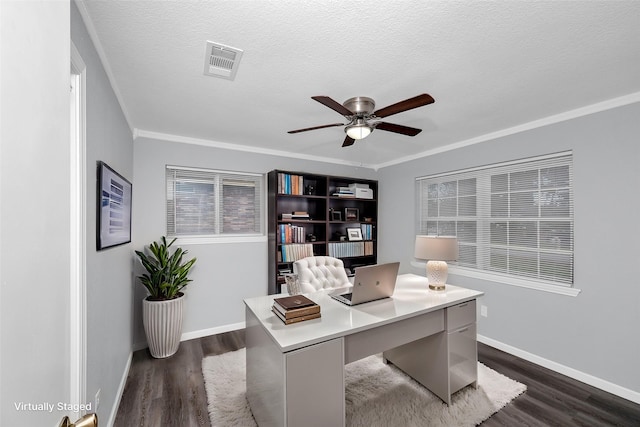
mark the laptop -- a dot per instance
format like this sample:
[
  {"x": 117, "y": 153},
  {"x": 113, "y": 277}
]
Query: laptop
[{"x": 371, "y": 282}]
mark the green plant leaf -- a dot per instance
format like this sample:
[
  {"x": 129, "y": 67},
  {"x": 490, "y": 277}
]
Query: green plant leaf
[{"x": 167, "y": 273}]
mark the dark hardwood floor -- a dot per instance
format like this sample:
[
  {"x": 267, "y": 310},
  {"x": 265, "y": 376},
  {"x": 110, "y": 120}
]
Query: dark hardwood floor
[
  {"x": 553, "y": 399},
  {"x": 170, "y": 392}
]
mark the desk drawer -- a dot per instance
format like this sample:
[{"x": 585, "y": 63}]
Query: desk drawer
[
  {"x": 461, "y": 314},
  {"x": 382, "y": 338},
  {"x": 463, "y": 357}
]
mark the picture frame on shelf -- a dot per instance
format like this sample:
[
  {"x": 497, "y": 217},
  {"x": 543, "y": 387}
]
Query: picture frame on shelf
[
  {"x": 354, "y": 234},
  {"x": 351, "y": 214},
  {"x": 336, "y": 215}
]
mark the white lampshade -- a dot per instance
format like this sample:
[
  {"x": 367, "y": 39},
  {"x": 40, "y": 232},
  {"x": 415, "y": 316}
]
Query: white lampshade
[{"x": 437, "y": 250}]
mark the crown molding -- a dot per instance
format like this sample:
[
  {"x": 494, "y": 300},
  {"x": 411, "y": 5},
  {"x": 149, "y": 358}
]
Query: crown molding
[
  {"x": 141, "y": 133},
  {"x": 93, "y": 35},
  {"x": 557, "y": 118},
  {"x": 568, "y": 115}
]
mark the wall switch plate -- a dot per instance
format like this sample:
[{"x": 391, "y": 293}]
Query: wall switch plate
[{"x": 483, "y": 311}]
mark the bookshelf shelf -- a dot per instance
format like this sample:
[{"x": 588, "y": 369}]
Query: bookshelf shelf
[
  {"x": 301, "y": 221},
  {"x": 313, "y": 194}
]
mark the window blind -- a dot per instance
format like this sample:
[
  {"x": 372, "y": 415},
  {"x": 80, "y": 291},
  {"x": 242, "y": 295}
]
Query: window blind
[
  {"x": 204, "y": 202},
  {"x": 512, "y": 218}
]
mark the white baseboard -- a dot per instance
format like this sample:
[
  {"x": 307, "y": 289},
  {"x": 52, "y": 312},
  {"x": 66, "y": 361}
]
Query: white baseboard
[
  {"x": 607, "y": 386},
  {"x": 123, "y": 383},
  {"x": 212, "y": 331},
  {"x": 199, "y": 334}
]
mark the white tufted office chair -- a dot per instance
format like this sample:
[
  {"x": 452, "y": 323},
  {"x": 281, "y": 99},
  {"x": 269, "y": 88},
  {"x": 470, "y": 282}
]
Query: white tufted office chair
[{"x": 320, "y": 272}]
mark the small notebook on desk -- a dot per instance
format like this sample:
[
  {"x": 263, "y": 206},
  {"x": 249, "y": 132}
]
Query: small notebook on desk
[{"x": 293, "y": 301}]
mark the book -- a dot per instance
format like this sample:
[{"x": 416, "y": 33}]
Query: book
[
  {"x": 292, "y": 216},
  {"x": 289, "y": 233},
  {"x": 295, "y": 251},
  {"x": 293, "y": 301},
  {"x": 295, "y": 319},
  {"x": 297, "y": 312},
  {"x": 349, "y": 249},
  {"x": 290, "y": 184}
]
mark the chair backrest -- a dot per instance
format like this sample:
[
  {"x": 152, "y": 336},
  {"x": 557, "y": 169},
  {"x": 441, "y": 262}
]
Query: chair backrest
[{"x": 320, "y": 272}]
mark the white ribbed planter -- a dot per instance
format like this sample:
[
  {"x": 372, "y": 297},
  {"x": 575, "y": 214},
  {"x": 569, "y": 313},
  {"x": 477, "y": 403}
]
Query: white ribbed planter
[{"x": 163, "y": 325}]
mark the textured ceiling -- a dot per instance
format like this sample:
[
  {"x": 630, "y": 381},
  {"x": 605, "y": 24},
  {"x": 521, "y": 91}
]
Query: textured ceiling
[{"x": 490, "y": 66}]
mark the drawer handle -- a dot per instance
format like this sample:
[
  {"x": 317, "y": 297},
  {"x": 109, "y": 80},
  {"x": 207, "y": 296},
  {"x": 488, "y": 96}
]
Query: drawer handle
[
  {"x": 462, "y": 330},
  {"x": 463, "y": 305}
]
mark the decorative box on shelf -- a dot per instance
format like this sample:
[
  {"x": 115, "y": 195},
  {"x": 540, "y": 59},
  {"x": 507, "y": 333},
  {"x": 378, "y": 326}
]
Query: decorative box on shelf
[{"x": 361, "y": 191}]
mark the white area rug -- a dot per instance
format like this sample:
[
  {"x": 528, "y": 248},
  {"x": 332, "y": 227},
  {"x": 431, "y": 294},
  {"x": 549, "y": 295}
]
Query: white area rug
[{"x": 376, "y": 395}]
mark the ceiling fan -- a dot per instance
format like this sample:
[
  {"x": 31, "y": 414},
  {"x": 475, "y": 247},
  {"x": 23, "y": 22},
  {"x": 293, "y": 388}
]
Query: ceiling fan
[{"x": 362, "y": 119}]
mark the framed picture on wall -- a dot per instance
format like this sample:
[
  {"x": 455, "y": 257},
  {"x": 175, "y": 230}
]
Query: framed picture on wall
[{"x": 113, "y": 226}]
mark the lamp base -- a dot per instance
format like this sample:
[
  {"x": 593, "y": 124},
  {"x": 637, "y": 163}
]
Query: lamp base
[{"x": 437, "y": 272}]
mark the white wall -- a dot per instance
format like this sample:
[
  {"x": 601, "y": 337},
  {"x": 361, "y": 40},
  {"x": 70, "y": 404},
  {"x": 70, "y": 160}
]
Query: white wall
[
  {"x": 34, "y": 210},
  {"x": 110, "y": 287},
  {"x": 225, "y": 273},
  {"x": 596, "y": 332}
]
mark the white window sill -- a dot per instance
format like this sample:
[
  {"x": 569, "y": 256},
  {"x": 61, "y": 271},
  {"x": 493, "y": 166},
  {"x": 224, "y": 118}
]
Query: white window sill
[
  {"x": 215, "y": 240},
  {"x": 523, "y": 283}
]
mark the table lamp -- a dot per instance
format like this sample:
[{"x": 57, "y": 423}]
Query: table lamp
[{"x": 437, "y": 250}]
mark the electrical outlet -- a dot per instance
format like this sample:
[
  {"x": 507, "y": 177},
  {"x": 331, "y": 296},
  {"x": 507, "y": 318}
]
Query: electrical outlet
[
  {"x": 97, "y": 400},
  {"x": 483, "y": 311}
]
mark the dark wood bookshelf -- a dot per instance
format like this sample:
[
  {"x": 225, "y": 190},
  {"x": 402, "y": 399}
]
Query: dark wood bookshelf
[{"x": 315, "y": 194}]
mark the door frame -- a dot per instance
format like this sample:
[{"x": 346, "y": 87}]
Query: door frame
[{"x": 77, "y": 217}]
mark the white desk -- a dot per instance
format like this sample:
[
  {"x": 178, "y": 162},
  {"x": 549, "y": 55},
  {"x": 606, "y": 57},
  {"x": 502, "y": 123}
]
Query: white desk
[{"x": 295, "y": 373}]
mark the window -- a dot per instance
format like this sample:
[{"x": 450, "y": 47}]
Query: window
[
  {"x": 513, "y": 219},
  {"x": 209, "y": 203}
]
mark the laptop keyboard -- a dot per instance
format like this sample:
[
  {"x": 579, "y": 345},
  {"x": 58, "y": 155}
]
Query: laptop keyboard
[{"x": 347, "y": 296}]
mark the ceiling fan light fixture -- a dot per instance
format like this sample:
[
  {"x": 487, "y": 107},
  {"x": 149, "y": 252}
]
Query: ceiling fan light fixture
[
  {"x": 360, "y": 110},
  {"x": 359, "y": 130}
]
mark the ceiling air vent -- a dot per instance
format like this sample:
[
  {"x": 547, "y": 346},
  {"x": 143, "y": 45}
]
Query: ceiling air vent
[{"x": 221, "y": 61}]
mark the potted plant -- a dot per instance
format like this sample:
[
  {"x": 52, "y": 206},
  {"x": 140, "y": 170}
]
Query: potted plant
[{"x": 162, "y": 309}]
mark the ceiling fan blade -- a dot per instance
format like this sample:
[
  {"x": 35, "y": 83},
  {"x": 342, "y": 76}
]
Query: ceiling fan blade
[
  {"x": 407, "y": 104},
  {"x": 391, "y": 127},
  {"x": 334, "y": 105},
  {"x": 348, "y": 141},
  {"x": 316, "y": 127}
]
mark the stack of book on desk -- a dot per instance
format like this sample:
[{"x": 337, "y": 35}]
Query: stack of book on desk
[{"x": 295, "y": 308}]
